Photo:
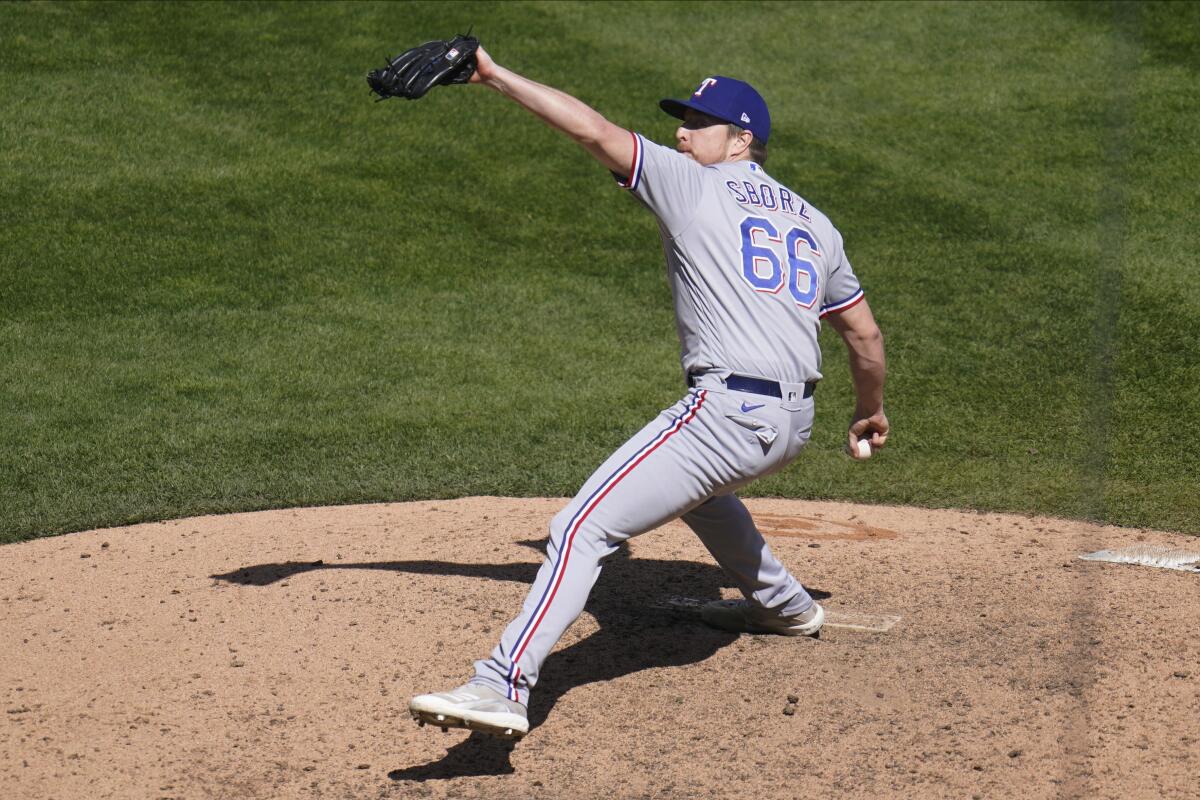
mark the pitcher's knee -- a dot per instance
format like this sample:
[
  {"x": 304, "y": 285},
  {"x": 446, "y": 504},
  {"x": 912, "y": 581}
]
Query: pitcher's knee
[
  {"x": 582, "y": 536},
  {"x": 558, "y": 527},
  {"x": 562, "y": 534}
]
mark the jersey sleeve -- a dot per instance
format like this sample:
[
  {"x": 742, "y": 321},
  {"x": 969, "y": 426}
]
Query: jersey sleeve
[
  {"x": 842, "y": 290},
  {"x": 667, "y": 182}
]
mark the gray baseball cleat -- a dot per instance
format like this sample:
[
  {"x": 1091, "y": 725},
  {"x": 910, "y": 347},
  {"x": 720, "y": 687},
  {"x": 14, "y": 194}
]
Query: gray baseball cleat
[
  {"x": 474, "y": 707},
  {"x": 740, "y": 616}
]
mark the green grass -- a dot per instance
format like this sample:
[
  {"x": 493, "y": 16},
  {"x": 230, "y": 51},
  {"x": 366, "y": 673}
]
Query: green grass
[{"x": 230, "y": 281}]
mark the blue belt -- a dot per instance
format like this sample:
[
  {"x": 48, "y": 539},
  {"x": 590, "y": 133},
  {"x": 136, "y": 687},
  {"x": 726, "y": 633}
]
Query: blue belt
[{"x": 744, "y": 383}]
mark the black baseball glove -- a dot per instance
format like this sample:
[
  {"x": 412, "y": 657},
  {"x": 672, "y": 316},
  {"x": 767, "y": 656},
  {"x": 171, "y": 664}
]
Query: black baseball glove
[{"x": 414, "y": 72}]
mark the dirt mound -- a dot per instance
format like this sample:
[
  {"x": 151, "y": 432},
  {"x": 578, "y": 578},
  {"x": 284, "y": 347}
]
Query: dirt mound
[{"x": 272, "y": 655}]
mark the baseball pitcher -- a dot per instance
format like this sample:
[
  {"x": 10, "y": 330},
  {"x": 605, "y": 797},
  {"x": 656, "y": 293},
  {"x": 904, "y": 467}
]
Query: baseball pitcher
[{"x": 753, "y": 269}]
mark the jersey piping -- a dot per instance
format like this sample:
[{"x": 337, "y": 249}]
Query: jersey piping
[{"x": 842, "y": 305}]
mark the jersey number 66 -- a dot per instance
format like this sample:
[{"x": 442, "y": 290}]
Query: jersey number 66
[{"x": 761, "y": 266}]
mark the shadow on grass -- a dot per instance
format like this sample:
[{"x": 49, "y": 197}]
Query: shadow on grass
[{"x": 634, "y": 635}]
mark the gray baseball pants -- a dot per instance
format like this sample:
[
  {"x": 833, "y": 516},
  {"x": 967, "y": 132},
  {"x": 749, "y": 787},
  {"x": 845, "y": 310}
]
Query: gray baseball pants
[{"x": 686, "y": 463}]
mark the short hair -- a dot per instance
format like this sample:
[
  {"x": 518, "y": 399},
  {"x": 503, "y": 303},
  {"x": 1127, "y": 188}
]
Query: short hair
[{"x": 758, "y": 148}]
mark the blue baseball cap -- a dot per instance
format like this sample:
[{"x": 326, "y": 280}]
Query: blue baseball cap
[{"x": 728, "y": 99}]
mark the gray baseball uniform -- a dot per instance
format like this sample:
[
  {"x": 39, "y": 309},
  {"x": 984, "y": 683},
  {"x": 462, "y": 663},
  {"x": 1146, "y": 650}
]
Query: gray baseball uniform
[{"x": 752, "y": 268}]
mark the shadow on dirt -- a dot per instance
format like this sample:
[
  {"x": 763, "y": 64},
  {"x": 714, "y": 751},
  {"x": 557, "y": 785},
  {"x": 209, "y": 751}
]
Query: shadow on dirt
[
  {"x": 635, "y": 634},
  {"x": 478, "y": 754}
]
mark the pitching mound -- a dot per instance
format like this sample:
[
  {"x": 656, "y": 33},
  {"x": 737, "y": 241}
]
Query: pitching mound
[{"x": 272, "y": 655}]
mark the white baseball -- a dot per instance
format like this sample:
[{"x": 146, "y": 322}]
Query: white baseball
[{"x": 864, "y": 448}]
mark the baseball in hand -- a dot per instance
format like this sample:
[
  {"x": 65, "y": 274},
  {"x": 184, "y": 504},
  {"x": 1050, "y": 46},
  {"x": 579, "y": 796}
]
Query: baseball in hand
[{"x": 864, "y": 448}]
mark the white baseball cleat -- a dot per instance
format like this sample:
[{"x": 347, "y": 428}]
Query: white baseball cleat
[
  {"x": 474, "y": 707},
  {"x": 740, "y": 616}
]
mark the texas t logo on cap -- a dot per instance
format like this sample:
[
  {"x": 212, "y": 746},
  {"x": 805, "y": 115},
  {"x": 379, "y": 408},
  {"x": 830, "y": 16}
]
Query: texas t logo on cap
[{"x": 729, "y": 100}]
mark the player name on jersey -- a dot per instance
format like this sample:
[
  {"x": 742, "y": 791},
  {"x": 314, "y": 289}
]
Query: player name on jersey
[{"x": 763, "y": 196}]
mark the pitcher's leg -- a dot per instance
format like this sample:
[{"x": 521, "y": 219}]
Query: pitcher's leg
[
  {"x": 724, "y": 525},
  {"x": 555, "y": 600},
  {"x": 656, "y": 476}
]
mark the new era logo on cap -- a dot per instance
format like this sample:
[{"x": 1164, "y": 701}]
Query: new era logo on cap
[{"x": 726, "y": 99}]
